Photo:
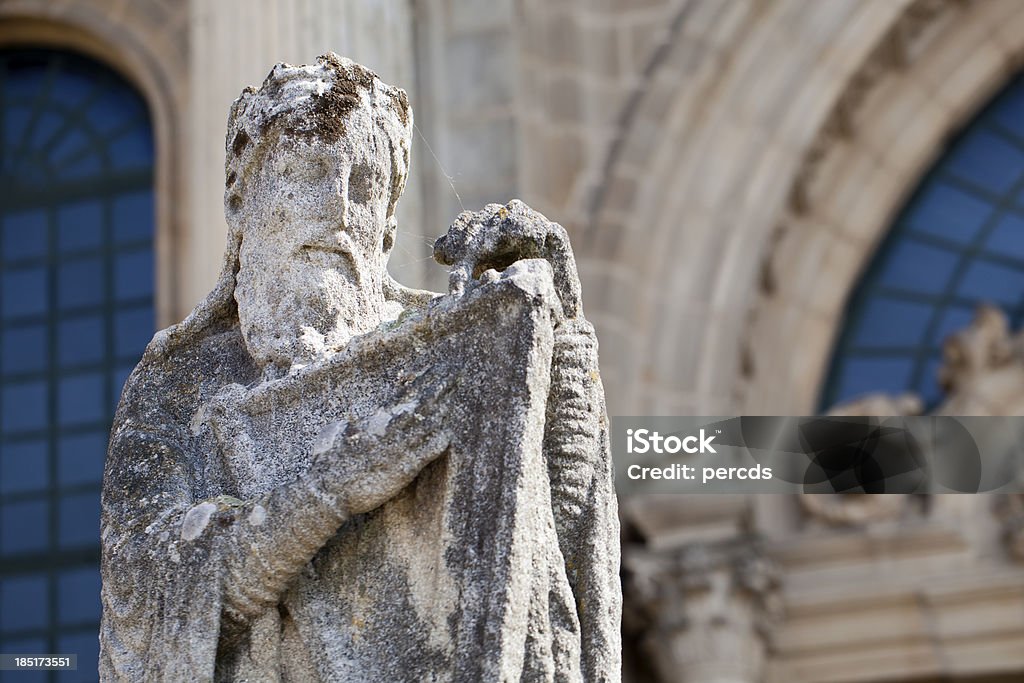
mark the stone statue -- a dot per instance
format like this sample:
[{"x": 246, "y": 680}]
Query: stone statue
[{"x": 322, "y": 475}]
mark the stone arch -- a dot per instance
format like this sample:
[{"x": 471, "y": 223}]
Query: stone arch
[
  {"x": 678, "y": 80},
  {"x": 709, "y": 170},
  {"x": 146, "y": 43},
  {"x": 937, "y": 66}
]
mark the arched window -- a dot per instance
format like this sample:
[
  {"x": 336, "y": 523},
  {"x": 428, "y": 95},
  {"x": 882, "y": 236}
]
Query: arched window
[
  {"x": 958, "y": 242},
  {"x": 76, "y": 310}
]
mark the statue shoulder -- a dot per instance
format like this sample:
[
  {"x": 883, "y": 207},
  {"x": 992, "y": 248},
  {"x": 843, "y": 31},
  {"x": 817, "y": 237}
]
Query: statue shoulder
[{"x": 171, "y": 380}]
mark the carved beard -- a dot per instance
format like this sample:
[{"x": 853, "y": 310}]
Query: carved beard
[{"x": 307, "y": 307}]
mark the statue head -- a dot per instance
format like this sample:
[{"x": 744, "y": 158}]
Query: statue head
[{"x": 317, "y": 158}]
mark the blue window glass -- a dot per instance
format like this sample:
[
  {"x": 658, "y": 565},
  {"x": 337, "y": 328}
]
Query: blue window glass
[
  {"x": 992, "y": 282},
  {"x": 929, "y": 386},
  {"x": 80, "y": 340},
  {"x": 23, "y": 349},
  {"x": 29, "y": 676},
  {"x": 35, "y": 646},
  {"x": 912, "y": 263},
  {"x": 23, "y": 466},
  {"x": 25, "y": 291},
  {"x": 948, "y": 212},
  {"x": 76, "y": 310},
  {"x": 78, "y": 593},
  {"x": 953, "y": 319},
  {"x": 132, "y": 149},
  {"x": 133, "y": 214},
  {"x": 133, "y": 275},
  {"x": 24, "y": 234},
  {"x": 24, "y": 603},
  {"x": 133, "y": 328},
  {"x": 80, "y": 399},
  {"x": 83, "y": 166},
  {"x": 115, "y": 111},
  {"x": 120, "y": 377},
  {"x": 1005, "y": 238},
  {"x": 79, "y": 520},
  {"x": 865, "y": 374},
  {"x": 46, "y": 125},
  {"x": 68, "y": 147},
  {"x": 24, "y": 406},
  {"x": 80, "y": 225},
  {"x": 1008, "y": 109},
  {"x": 891, "y": 322},
  {"x": 24, "y": 526},
  {"x": 80, "y": 458},
  {"x": 80, "y": 283},
  {"x": 958, "y": 243},
  {"x": 87, "y": 645},
  {"x": 987, "y": 159},
  {"x": 16, "y": 118}
]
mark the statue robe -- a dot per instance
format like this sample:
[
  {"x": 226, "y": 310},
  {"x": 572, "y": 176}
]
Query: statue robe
[{"x": 499, "y": 562}]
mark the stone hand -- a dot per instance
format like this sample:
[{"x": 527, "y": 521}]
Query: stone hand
[
  {"x": 497, "y": 237},
  {"x": 369, "y": 461}
]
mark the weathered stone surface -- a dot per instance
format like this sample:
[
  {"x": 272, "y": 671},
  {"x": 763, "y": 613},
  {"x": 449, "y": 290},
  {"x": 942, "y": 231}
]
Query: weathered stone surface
[
  {"x": 322, "y": 475},
  {"x": 704, "y": 611}
]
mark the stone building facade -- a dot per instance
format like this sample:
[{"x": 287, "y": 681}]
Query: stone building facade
[{"x": 727, "y": 171}]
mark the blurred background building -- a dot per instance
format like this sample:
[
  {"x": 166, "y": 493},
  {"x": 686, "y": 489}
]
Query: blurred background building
[{"x": 777, "y": 206}]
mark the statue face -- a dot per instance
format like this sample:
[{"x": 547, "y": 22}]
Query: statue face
[{"x": 314, "y": 248}]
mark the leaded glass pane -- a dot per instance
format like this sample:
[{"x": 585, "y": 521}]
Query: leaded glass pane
[
  {"x": 25, "y": 599},
  {"x": 80, "y": 284},
  {"x": 80, "y": 225},
  {"x": 912, "y": 263},
  {"x": 947, "y": 211},
  {"x": 24, "y": 234},
  {"x": 81, "y": 340},
  {"x": 23, "y": 349},
  {"x": 23, "y": 528},
  {"x": 79, "y": 519},
  {"x": 23, "y": 466},
  {"x": 78, "y": 592},
  {"x": 80, "y": 458}
]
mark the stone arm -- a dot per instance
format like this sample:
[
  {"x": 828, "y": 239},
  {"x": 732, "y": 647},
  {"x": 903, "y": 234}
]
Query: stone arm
[
  {"x": 269, "y": 540},
  {"x": 157, "y": 518}
]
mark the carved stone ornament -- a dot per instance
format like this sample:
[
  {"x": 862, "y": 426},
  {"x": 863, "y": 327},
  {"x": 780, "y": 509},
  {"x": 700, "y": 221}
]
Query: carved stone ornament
[
  {"x": 322, "y": 475},
  {"x": 704, "y": 611}
]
